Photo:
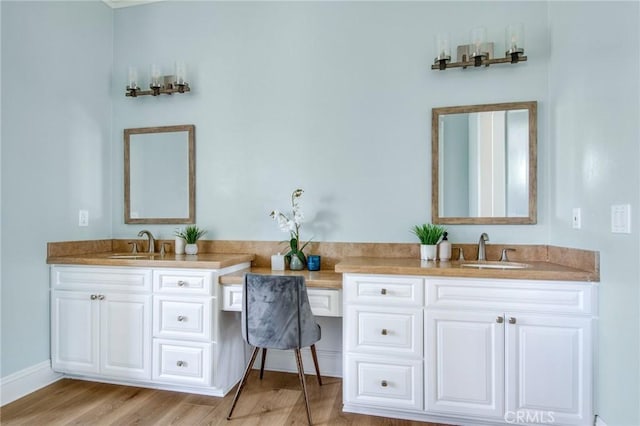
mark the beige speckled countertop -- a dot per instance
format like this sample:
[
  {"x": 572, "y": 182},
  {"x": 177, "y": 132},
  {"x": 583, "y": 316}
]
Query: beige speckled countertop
[
  {"x": 171, "y": 260},
  {"x": 321, "y": 279},
  {"x": 405, "y": 266}
]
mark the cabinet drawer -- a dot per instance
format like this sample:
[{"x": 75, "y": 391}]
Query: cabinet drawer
[
  {"x": 385, "y": 330},
  {"x": 381, "y": 382},
  {"x": 182, "y": 363},
  {"x": 512, "y": 295},
  {"x": 384, "y": 290},
  {"x": 106, "y": 279},
  {"x": 184, "y": 282},
  {"x": 183, "y": 318},
  {"x": 324, "y": 302}
]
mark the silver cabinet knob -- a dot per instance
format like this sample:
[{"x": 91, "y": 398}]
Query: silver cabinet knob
[
  {"x": 101, "y": 297},
  {"x": 182, "y": 283},
  {"x": 512, "y": 320},
  {"x": 181, "y": 363},
  {"x": 94, "y": 297},
  {"x": 182, "y": 318},
  {"x": 384, "y": 332},
  {"x": 384, "y": 384},
  {"x": 500, "y": 320},
  {"x": 383, "y": 291}
]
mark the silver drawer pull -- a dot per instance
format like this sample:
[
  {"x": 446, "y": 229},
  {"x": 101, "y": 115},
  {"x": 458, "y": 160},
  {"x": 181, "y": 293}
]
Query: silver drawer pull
[
  {"x": 384, "y": 384},
  {"x": 181, "y": 364},
  {"x": 181, "y": 318},
  {"x": 512, "y": 320},
  {"x": 383, "y": 291},
  {"x": 101, "y": 297},
  {"x": 182, "y": 283},
  {"x": 94, "y": 296},
  {"x": 500, "y": 320},
  {"x": 384, "y": 332}
]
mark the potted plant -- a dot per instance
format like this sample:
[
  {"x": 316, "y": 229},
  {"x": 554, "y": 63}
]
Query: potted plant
[
  {"x": 297, "y": 259},
  {"x": 429, "y": 236},
  {"x": 191, "y": 234}
]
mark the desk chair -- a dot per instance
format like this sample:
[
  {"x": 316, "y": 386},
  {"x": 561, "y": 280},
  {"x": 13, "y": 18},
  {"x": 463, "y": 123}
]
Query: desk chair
[{"x": 276, "y": 315}]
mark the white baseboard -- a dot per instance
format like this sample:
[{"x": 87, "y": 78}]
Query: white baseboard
[
  {"x": 330, "y": 362},
  {"x": 600, "y": 422},
  {"x": 25, "y": 381}
]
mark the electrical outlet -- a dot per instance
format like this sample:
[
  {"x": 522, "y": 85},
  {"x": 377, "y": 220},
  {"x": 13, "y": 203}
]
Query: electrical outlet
[
  {"x": 576, "y": 218},
  {"x": 83, "y": 218}
]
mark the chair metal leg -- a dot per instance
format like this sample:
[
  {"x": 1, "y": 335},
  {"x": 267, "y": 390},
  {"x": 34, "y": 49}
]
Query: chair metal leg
[
  {"x": 264, "y": 359},
  {"x": 315, "y": 363},
  {"x": 244, "y": 380},
  {"x": 303, "y": 383}
]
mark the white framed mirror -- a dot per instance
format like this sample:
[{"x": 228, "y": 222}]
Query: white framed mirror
[
  {"x": 484, "y": 164},
  {"x": 159, "y": 174}
]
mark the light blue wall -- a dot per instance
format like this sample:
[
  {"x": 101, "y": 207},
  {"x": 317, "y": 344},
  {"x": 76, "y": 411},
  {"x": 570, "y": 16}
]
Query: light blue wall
[
  {"x": 56, "y": 140},
  {"x": 333, "y": 97},
  {"x": 594, "y": 154}
]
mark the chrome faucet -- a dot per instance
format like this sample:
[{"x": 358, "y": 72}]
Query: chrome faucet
[
  {"x": 152, "y": 241},
  {"x": 481, "y": 252}
]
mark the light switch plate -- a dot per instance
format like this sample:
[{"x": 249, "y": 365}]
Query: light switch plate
[
  {"x": 621, "y": 219},
  {"x": 576, "y": 218}
]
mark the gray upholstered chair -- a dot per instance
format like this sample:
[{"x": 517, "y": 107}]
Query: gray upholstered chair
[{"x": 276, "y": 315}]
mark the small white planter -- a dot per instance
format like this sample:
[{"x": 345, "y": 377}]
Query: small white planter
[
  {"x": 191, "y": 249},
  {"x": 428, "y": 251}
]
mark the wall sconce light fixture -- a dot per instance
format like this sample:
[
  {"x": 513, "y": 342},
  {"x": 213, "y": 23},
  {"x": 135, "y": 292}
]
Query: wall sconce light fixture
[
  {"x": 480, "y": 52},
  {"x": 159, "y": 84}
]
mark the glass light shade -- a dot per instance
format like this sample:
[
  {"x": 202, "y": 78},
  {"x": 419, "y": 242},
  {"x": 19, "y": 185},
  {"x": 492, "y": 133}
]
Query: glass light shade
[
  {"x": 155, "y": 76},
  {"x": 181, "y": 72},
  {"x": 443, "y": 48},
  {"x": 133, "y": 78},
  {"x": 514, "y": 39},
  {"x": 478, "y": 39}
]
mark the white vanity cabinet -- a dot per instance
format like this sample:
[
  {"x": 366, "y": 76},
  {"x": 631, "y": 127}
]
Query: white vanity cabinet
[
  {"x": 495, "y": 350},
  {"x": 101, "y": 322},
  {"x": 145, "y": 326}
]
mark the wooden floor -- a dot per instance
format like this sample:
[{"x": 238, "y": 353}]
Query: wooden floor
[{"x": 276, "y": 400}]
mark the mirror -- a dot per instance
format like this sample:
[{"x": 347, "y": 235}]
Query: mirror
[
  {"x": 159, "y": 174},
  {"x": 484, "y": 164}
]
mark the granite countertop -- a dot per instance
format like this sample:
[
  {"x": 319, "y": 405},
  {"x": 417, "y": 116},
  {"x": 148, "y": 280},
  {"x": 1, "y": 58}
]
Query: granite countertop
[
  {"x": 170, "y": 260},
  {"x": 406, "y": 266},
  {"x": 318, "y": 279}
]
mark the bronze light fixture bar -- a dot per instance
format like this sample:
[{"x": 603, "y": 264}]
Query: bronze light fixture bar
[
  {"x": 168, "y": 87},
  {"x": 480, "y": 52}
]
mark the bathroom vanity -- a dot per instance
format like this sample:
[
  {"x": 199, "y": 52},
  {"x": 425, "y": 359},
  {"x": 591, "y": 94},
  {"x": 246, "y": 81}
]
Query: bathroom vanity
[{"x": 449, "y": 342}]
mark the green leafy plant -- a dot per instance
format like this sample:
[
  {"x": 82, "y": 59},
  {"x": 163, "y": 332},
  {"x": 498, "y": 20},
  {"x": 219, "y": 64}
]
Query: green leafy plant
[
  {"x": 428, "y": 233},
  {"x": 191, "y": 234}
]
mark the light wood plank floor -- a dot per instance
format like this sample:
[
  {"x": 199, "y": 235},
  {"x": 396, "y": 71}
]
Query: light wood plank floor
[{"x": 276, "y": 400}]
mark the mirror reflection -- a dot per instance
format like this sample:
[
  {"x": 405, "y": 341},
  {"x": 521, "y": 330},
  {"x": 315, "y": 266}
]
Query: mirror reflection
[
  {"x": 159, "y": 174},
  {"x": 484, "y": 163}
]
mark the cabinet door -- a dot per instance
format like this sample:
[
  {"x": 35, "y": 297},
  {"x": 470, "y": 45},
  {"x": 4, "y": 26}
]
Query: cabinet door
[
  {"x": 74, "y": 332},
  {"x": 465, "y": 363},
  {"x": 125, "y": 335},
  {"x": 549, "y": 368}
]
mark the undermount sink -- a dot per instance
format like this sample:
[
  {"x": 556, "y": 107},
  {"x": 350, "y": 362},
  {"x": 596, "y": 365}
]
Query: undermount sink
[
  {"x": 495, "y": 265},
  {"x": 132, "y": 256}
]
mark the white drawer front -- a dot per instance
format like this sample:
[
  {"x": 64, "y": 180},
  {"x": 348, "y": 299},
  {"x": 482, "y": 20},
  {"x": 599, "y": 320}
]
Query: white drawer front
[
  {"x": 384, "y": 290},
  {"x": 512, "y": 295},
  {"x": 385, "y": 330},
  {"x": 184, "y": 282},
  {"x": 324, "y": 302},
  {"x": 183, "y": 318},
  {"x": 183, "y": 363},
  {"x": 382, "y": 382},
  {"x": 108, "y": 279}
]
